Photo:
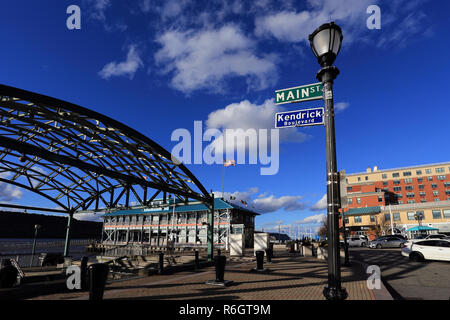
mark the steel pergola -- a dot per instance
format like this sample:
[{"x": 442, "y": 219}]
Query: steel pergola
[{"x": 82, "y": 160}]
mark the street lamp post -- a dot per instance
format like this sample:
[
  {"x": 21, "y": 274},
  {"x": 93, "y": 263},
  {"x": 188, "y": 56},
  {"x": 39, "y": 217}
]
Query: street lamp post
[
  {"x": 325, "y": 43},
  {"x": 36, "y": 228}
]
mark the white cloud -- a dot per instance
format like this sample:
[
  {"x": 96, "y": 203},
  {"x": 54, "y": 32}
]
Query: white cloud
[
  {"x": 7, "y": 191},
  {"x": 125, "y": 68},
  {"x": 293, "y": 26},
  {"x": 246, "y": 115},
  {"x": 318, "y": 218},
  {"x": 320, "y": 205},
  {"x": 89, "y": 216},
  {"x": 98, "y": 8},
  {"x": 205, "y": 59},
  {"x": 263, "y": 203},
  {"x": 341, "y": 106}
]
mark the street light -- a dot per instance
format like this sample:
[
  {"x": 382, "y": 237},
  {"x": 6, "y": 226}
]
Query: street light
[
  {"x": 326, "y": 43},
  {"x": 36, "y": 228}
]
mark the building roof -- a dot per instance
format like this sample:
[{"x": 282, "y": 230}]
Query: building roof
[
  {"x": 219, "y": 204},
  {"x": 401, "y": 168},
  {"x": 366, "y": 210}
]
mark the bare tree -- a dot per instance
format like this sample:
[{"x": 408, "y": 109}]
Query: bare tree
[{"x": 323, "y": 228}]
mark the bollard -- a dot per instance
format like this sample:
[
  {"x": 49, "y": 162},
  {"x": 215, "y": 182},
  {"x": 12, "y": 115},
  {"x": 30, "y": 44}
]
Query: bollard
[
  {"x": 269, "y": 255},
  {"x": 259, "y": 260},
  {"x": 83, "y": 273},
  {"x": 220, "y": 262},
  {"x": 197, "y": 262},
  {"x": 161, "y": 262},
  {"x": 98, "y": 273}
]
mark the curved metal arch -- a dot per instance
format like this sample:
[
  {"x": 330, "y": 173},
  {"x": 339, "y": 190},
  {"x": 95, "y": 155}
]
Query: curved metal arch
[{"x": 58, "y": 150}]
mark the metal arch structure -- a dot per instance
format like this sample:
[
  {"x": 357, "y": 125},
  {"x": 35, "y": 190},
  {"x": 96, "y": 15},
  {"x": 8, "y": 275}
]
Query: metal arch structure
[{"x": 82, "y": 160}]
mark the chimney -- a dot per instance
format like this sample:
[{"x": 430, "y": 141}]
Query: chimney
[{"x": 368, "y": 170}]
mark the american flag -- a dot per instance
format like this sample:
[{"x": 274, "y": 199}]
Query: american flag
[{"x": 229, "y": 163}]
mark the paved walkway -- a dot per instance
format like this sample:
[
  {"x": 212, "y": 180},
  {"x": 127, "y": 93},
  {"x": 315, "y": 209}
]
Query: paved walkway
[{"x": 290, "y": 278}]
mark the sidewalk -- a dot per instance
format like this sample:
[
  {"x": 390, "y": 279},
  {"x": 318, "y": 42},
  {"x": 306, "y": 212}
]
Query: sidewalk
[{"x": 290, "y": 278}]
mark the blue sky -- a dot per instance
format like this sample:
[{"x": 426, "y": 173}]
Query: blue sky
[{"x": 161, "y": 65}]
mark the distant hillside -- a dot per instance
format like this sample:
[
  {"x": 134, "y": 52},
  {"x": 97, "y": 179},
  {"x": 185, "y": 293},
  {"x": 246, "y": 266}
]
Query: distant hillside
[{"x": 21, "y": 225}]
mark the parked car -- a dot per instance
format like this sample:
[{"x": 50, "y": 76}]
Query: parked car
[
  {"x": 437, "y": 236},
  {"x": 387, "y": 242},
  {"x": 358, "y": 241},
  {"x": 428, "y": 249}
]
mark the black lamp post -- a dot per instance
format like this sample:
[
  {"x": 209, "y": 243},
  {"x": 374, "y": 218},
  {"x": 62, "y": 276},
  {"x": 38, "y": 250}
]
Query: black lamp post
[
  {"x": 325, "y": 43},
  {"x": 36, "y": 228}
]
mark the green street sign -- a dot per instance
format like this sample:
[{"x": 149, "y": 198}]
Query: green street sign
[{"x": 299, "y": 94}]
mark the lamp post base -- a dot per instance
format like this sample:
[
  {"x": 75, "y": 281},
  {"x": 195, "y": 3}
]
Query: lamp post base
[{"x": 335, "y": 293}]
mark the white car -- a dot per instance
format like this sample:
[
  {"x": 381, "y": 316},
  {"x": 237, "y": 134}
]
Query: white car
[
  {"x": 358, "y": 241},
  {"x": 437, "y": 236},
  {"x": 427, "y": 249}
]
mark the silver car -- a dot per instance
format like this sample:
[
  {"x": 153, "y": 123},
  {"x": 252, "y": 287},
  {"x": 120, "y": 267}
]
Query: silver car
[{"x": 387, "y": 242}]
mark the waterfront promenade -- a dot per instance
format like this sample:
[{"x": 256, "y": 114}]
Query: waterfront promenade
[{"x": 290, "y": 278}]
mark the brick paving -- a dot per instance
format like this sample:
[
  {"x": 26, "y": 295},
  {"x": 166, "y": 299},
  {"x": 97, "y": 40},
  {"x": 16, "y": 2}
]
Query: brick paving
[{"x": 290, "y": 278}]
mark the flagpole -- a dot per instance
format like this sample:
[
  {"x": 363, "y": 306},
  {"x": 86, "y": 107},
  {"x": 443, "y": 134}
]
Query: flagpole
[{"x": 223, "y": 179}]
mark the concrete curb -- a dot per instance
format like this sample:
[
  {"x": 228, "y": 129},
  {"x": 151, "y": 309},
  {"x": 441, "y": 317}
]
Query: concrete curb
[{"x": 378, "y": 294}]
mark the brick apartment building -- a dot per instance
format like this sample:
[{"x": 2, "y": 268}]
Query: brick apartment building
[{"x": 417, "y": 195}]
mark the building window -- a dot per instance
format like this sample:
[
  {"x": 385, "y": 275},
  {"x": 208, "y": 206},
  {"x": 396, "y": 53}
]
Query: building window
[
  {"x": 358, "y": 200},
  {"x": 422, "y": 193},
  {"x": 397, "y": 216},
  {"x": 447, "y": 192},
  {"x": 385, "y": 183},
  {"x": 420, "y": 215},
  {"x": 409, "y": 188},
  {"x": 430, "y": 178},
  {"x": 350, "y": 200},
  {"x": 439, "y": 170},
  {"x": 418, "y": 172},
  {"x": 423, "y": 200},
  {"x": 436, "y": 199},
  {"x": 400, "y": 202},
  {"x": 446, "y": 213},
  {"x": 406, "y": 173},
  {"x": 409, "y": 180},
  {"x": 372, "y": 218},
  {"x": 421, "y": 186},
  {"x": 349, "y": 189},
  {"x": 441, "y": 177},
  {"x": 420, "y": 180},
  {"x": 346, "y": 220},
  {"x": 411, "y": 216},
  {"x": 380, "y": 199},
  {"x": 399, "y": 195},
  {"x": 437, "y": 214},
  {"x": 411, "y": 201},
  {"x": 358, "y": 219},
  {"x": 367, "y": 178},
  {"x": 427, "y": 171},
  {"x": 397, "y": 188},
  {"x": 410, "y": 194},
  {"x": 435, "y": 193},
  {"x": 359, "y": 178},
  {"x": 387, "y": 217},
  {"x": 384, "y": 176},
  {"x": 396, "y": 181},
  {"x": 395, "y": 175}
]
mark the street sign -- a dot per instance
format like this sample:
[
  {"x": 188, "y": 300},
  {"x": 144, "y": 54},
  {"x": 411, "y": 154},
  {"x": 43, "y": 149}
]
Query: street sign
[
  {"x": 299, "y": 94},
  {"x": 343, "y": 189},
  {"x": 299, "y": 118}
]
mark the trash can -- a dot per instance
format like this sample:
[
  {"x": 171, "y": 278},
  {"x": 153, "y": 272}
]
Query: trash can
[{"x": 98, "y": 274}]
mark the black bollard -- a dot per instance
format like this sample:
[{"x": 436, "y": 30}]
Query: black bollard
[
  {"x": 197, "y": 262},
  {"x": 98, "y": 273},
  {"x": 83, "y": 273},
  {"x": 269, "y": 255},
  {"x": 220, "y": 262},
  {"x": 161, "y": 262},
  {"x": 259, "y": 260}
]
